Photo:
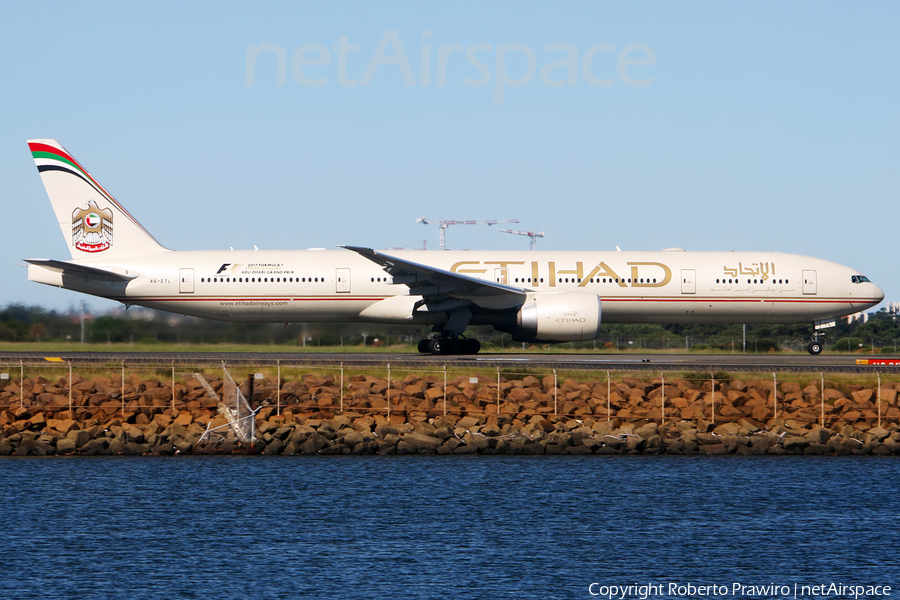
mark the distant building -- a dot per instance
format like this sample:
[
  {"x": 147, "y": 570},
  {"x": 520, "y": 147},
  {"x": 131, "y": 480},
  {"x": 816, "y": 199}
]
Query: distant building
[{"x": 860, "y": 317}]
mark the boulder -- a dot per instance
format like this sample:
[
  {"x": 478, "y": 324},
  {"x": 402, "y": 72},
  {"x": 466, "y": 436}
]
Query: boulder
[
  {"x": 274, "y": 447},
  {"x": 863, "y": 396},
  {"x": 79, "y": 436},
  {"x": 634, "y": 444},
  {"x": 728, "y": 429},
  {"x": 795, "y": 444},
  {"x": 135, "y": 448},
  {"x": 819, "y": 435},
  {"x": 817, "y": 449},
  {"x": 352, "y": 438},
  {"x": 470, "y": 422},
  {"x": 647, "y": 431},
  {"x": 760, "y": 444},
  {"x": 95, "y": 446},
  {"x": 713, "y": 449},
  {"x": 879, "y": 433},
  {"x": 313, "y": 444}
]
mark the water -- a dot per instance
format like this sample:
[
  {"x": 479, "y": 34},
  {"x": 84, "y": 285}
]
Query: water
[{"x": 441, "y": 527}]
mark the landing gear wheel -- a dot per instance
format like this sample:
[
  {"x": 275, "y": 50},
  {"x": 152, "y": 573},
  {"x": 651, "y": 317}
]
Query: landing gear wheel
[
  {"x": 437, "y": 345},
  {"x": 470, "y": 346},
  {"x": 814, "y": 348},
  {"x": 423, "y": 346}
]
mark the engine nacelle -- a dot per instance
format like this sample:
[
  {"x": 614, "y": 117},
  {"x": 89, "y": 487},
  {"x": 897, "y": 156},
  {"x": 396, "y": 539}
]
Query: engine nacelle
[{"x": 561, "y": 317}]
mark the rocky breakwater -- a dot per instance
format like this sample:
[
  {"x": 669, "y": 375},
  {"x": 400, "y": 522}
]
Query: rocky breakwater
[{"x": 418, "y": 415}]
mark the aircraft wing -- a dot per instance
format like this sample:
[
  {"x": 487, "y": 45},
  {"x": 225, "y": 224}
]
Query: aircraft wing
[
  {"x": 427, "y": 281},
  {"x": 67, "y": 268}
]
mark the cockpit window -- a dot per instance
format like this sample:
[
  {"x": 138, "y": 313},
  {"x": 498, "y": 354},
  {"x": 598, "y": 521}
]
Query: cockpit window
[{"x": 859, "y": 279}]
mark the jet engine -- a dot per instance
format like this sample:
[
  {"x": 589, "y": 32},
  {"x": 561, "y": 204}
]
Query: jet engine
[{"x": 560, "y": 317}]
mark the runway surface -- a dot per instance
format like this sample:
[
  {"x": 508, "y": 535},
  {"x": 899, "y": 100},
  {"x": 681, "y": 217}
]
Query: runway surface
[{"x": 600, "y": 362}]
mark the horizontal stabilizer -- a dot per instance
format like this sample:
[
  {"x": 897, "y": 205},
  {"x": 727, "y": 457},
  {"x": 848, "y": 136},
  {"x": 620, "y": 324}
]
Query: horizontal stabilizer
[{"x": 67, "y": 268}]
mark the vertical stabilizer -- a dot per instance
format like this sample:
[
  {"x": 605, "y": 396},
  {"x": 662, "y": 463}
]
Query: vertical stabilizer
[{"x": 87, "y": 214}]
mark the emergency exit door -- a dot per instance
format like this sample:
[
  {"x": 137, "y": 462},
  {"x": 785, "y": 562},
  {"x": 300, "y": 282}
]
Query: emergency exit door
[
  {"x": 186, "y": 281},
  {"x": 687, "y": 281},
  {"x": 809, "y": 282}
]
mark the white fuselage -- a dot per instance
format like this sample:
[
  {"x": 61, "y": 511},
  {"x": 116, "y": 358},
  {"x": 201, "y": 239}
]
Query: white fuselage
[{"x": 340, "y": 285}]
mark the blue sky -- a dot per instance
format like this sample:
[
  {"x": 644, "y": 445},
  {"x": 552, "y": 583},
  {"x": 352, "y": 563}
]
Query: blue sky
[{"x": 764, "y": 126}]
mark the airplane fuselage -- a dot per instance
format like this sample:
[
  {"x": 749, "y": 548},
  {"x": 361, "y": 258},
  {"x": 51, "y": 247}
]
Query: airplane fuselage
[{"x": 338, "y": 285}]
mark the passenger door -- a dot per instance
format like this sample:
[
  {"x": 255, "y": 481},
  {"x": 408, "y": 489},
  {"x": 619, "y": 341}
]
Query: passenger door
[
  {"x": 809, "y": 282},
  {"x": 342, "y": 281},
  {"x": 186, "y": 281}
]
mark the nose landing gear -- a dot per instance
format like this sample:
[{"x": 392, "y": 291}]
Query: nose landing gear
[{"x": 815, "y": 346}]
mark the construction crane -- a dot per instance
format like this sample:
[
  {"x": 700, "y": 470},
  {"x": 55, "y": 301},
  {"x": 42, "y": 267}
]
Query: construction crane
[
  {"x": 423, "y": 243},
  {"x": 532, "y": 234},
  {"x": 446, "y": 223}
]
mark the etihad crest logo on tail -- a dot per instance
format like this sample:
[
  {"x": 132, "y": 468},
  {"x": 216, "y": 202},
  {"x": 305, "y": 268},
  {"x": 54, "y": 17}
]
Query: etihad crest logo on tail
[{"x": 92, "y": 228}]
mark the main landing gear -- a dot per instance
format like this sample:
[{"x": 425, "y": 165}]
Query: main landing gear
[{"x": 444, "y": 344}]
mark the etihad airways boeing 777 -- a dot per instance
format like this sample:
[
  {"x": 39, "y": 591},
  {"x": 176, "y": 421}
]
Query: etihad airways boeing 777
[{"x": 535, "y": 296}]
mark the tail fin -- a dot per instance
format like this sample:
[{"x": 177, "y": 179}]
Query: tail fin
[{"x": 86, "y": 212}]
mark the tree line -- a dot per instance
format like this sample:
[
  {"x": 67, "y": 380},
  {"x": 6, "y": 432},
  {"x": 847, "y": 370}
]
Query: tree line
[{"x": 21, "y": 323}]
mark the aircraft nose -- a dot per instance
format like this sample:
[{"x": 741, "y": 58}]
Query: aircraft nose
[{"x": 879, "y": 293}]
